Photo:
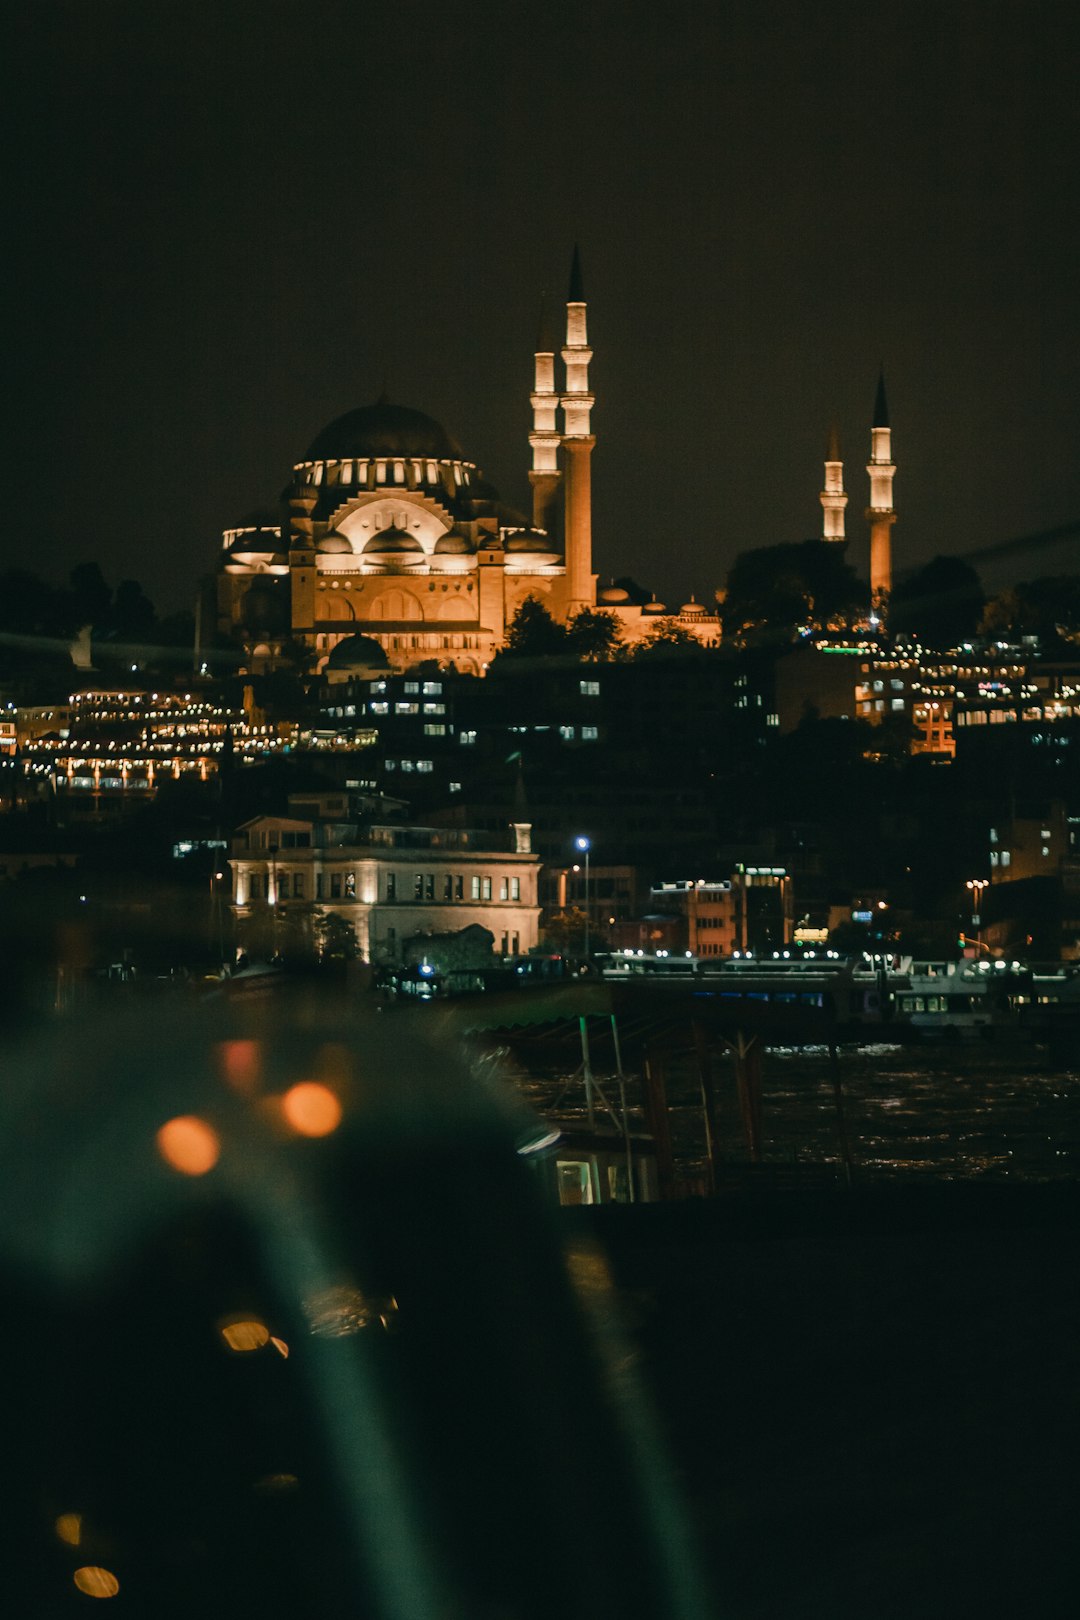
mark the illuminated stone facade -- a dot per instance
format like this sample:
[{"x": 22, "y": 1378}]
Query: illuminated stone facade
[
  {"x": 392, "y": 884},
  {"x": 393, "y": 549}
]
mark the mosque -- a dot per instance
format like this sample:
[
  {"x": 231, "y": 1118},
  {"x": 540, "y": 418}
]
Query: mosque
[{"x": 394, "y": 549}]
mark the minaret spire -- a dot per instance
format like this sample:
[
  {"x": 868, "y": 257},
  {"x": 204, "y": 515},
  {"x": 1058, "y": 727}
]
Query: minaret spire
[
  {"x": 880, "y": 513},
  {"x": 578, "y": 441},
  {"x": 833, "y": 499},
  {"x": 544, "y": 475}
]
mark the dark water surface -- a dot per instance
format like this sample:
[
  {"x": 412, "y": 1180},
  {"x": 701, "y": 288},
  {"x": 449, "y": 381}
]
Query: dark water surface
[{"x": 972, "y": 1111}]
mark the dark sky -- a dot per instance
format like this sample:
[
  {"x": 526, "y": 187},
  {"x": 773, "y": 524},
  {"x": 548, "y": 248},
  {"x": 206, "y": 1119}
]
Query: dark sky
[{"x": 235, "y": 220}]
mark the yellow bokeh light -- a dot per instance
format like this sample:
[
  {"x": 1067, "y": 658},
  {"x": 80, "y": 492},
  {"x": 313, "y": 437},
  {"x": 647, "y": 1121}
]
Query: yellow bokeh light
[
  {"x": 246, "y": 1334},
  {"x": 96, "y": 1582},
  {"x": 189, "y": 1145},
  {"x": 69, "y": 1528},
  {"x": 311, "y": 1109}
]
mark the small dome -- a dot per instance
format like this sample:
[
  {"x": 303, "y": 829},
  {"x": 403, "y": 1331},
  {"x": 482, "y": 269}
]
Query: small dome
[
  {"x": 614, "y": 594},
  {"x": 358, "y": 653},
  {"x": 452, "y": 544},
  {"x": 383, "y": 429},
  {"x": 692, "y": 609},
  {"x": 531, "y": 541},
  {"x": 654, "y": 607},
  {"x": 392, "y": 542},
  {"x": 256, "y": 543},
  {"x": 334, "y": 545}
]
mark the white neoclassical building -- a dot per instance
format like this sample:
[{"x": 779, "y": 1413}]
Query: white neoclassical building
[{"x": 392, "y": 883}]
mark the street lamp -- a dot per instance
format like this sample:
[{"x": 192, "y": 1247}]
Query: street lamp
[
  {"x": 977, "y": 885},
  {"x": 584, "y": 845}
]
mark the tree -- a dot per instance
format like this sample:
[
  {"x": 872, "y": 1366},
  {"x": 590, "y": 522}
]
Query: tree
[
  {"x": 1048, "y": 607},
  {"x": 779, "y": 589},
  {"x": 595, "y": 637},
  {"x": 335, "y": 938},
  {"x": 133, "y": 614},
  {"x": 665, "y": 638},
  {"x": 565, "y": 932},
  {"x": 942, "y": 603},
  {"x": 91, "y": 596},
  {"x": 533, "y": 633}
]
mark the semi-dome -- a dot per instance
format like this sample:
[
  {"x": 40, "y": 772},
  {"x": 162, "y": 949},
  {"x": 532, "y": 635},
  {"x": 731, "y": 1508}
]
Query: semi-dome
[
  {"x": 530, "y": 540},
  {"x": 255, "y": 543},
  {"x": 334, "y": 545},
  {"x": 357, "y": 653},
  {"x": 383, "y": 429},
  {"x": 452, "y": 544},
  {"x": 392, "y": 542}
]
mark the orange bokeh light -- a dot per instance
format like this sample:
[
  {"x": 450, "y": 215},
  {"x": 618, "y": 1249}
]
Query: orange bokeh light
[
  {"x": 311, "y": 1109},
  {"x": 96, "y": 1582},
  {"x": 189, "y": 1145},
  {"x": 241, "y": 1065},
  {"x": 246, "y": 1334},
  {"x": 69, "y": 1528},
  {"x": 281, "y": 1347}
]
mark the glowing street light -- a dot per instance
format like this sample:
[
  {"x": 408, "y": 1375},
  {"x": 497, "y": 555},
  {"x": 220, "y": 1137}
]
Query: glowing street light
[
  {"x": 585, "y": 845},
  {"x": 977, "y": 885}
]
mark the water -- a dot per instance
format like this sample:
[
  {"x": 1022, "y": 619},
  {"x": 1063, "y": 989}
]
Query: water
[{"x": 967, "y": 1112}]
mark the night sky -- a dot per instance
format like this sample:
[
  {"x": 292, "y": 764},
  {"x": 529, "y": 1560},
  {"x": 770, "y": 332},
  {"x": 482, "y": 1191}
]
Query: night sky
[{"x": 234, "y": 221}]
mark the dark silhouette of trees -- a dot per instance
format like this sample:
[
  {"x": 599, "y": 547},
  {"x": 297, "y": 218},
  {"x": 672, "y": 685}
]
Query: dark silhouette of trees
[
  {"x": 1048, "y": 608},
  {"x": 941, "y": 603},
  {"x": 533, "y": 633},
  {"x": 774, "y": 591},
  {"x": 594, "y": 636}
]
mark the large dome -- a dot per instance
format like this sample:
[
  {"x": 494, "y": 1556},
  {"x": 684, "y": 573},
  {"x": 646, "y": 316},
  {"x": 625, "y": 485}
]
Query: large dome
[{"x": 383, "y": 429}]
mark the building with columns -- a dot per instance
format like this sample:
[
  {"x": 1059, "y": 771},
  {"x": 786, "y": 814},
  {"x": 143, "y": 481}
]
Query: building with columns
[
  {"x": 393, "y": 549},
  {"x": 392, "y": 884}
]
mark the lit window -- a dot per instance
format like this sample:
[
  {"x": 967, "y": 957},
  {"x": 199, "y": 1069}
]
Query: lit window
[
  {"x": 589, "y": 688},
  {"x": 432, "y": 688},
  {"x": 391, "y": 885},
  {"x": 379, "y": 708},
  {"x": 418, "y": 886},
  {"x": 485, "y": 888},
  {"x": 455, "y": 787},
  {"x": 897, "y": 703},
  {"x": 467, "y": 737},
  {"x": 411, "y": 687},
  {"x": 504, "y": 888},
  {"x": 589, "y": 734},
  {"x": 1006, "y": 858},
  {"x": 434, "y": 729},
  {"x": 474, "y": 888},
  {"x": 515, "y": 888},
  {"x": 567, "y": 733}
]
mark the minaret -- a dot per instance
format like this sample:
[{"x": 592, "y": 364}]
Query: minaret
[
  {"x": 880, "y": 511},
  {"x": 833, "y": 499},
  {"x": 578, "y": 441},
  {"x": 544, "y": 475}
]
